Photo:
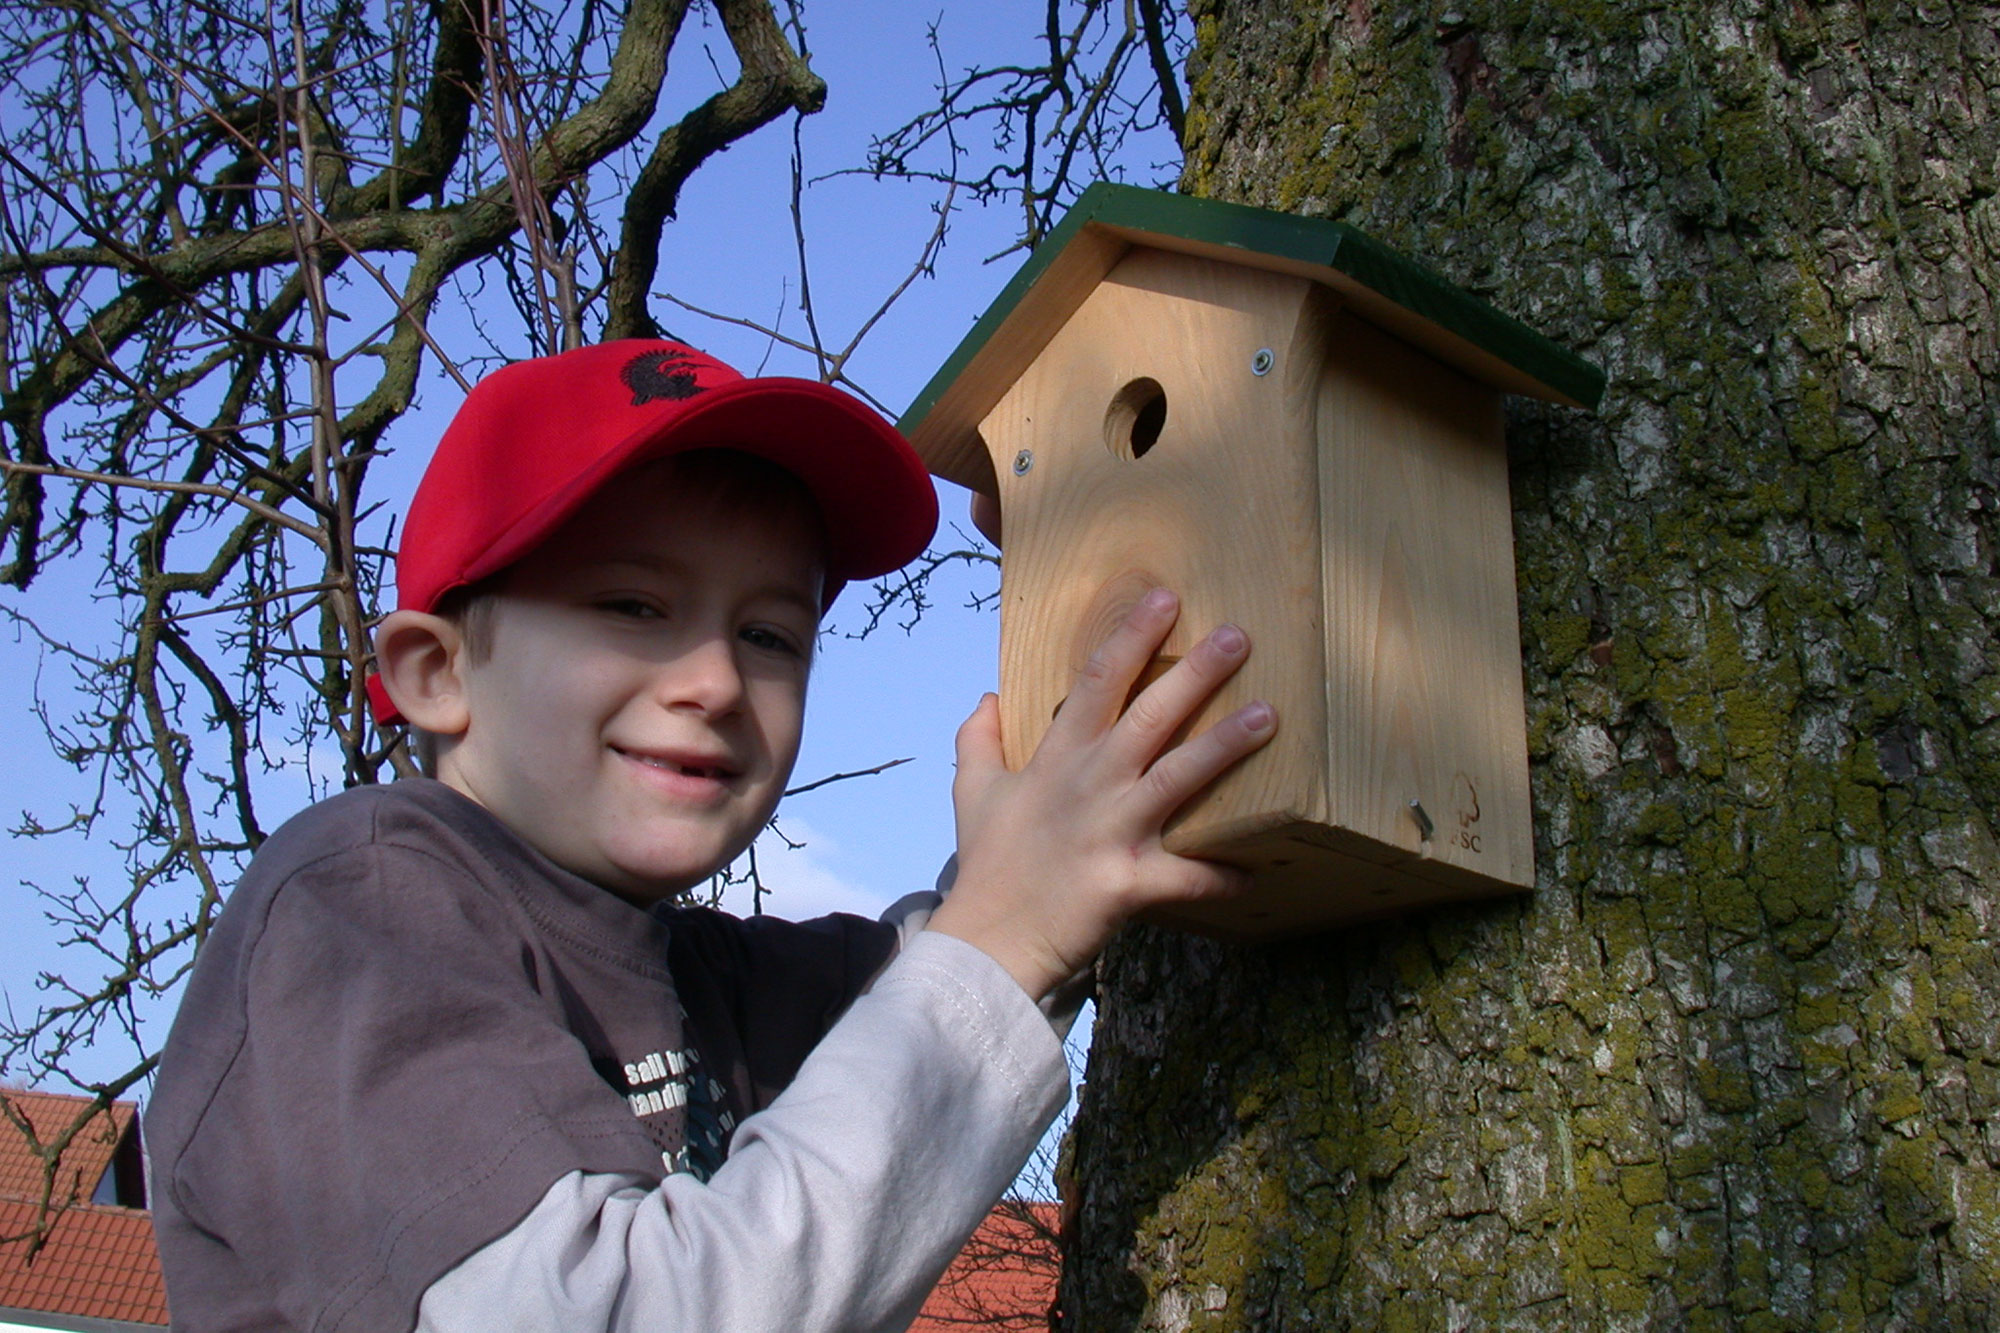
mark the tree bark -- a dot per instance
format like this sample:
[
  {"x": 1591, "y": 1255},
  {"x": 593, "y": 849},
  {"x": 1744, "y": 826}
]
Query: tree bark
[{"x": 1733, "y": 1063}]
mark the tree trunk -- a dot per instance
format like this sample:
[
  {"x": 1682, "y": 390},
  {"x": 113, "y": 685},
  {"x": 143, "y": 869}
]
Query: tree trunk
[{"x": 1733, "y": 1064}]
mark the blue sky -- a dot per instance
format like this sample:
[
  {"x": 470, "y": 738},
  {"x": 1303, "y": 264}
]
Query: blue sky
[{"x": 893, "y": 696}]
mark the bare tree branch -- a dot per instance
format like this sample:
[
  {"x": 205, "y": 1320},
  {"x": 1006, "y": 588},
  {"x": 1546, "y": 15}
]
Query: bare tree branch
[
  {"x": 224, "y": 232},
  {"x": 775, "y": 79},
  {"x": 832, "y": 778},
  {"x": 1059, "y": 125},
  {"x": 263, "y": 511},
  {"x": 188, "y": 387}
]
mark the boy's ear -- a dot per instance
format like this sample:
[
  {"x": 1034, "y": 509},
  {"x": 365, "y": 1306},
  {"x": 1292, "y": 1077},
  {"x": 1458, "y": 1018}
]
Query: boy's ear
[
  {"x": 986, "y": 515},
  {"x": 422, "y": 659}
]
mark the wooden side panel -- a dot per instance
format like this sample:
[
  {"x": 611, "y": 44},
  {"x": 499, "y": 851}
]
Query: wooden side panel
[
  {"x": 1221, "y": 508},
  {"x": 1423, "y": 642}
]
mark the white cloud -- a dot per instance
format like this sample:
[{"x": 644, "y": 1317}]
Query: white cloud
[{"x": 805, "y": 882}]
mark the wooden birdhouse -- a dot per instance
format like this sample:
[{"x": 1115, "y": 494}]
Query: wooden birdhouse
[{"x": 1297, "y": 430}]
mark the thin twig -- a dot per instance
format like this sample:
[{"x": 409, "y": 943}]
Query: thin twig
[
  {"x": 842, "y": 777},
  {"x": 257, "y": 507}
]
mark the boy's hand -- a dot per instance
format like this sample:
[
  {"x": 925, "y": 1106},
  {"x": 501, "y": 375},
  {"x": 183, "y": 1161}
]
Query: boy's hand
[{"x": 1053, "y": 859}]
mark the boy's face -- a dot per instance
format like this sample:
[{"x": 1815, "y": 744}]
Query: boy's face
[{"x": 638, "y": 712}]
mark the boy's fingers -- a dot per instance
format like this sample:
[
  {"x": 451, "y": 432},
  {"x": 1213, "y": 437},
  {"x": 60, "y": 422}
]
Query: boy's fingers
[
  {"x": 1098, "y": 696},
  {"x": 978, "y": 743},
  {"x": 1188, "y": 880},
  {"x": 1169, "y": 701},
  {"x": 1192, "y": 765}
]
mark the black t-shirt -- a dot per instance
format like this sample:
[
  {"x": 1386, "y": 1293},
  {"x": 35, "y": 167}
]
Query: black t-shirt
[{"x": 407, "y": 1024}]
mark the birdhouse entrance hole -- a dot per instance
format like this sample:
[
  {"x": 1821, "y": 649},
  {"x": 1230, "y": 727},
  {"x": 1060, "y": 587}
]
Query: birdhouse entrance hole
[{"x": 1137, "y": 414}]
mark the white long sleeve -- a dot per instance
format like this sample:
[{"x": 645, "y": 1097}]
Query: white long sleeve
[{"x": 840, "y": 1204}]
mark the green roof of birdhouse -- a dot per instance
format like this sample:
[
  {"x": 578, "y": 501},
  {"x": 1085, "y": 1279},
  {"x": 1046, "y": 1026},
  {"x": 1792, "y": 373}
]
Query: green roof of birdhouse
[{"x": 1380, "y": 285}]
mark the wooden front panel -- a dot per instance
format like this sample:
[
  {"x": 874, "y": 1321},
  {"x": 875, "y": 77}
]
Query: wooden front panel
[
  {"x": 1423, "y": 642},
  {"x": 1221, "y": 507}
]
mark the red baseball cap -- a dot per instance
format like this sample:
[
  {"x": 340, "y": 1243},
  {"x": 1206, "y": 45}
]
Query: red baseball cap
[{"x": 534, "y": 441}]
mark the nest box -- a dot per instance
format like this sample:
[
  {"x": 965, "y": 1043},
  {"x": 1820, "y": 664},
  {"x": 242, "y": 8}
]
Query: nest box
[{"x": 1297, "y": 430}]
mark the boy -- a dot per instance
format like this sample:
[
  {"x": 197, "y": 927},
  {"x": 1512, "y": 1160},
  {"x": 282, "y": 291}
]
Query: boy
[{"x": 453, "y": 1059}]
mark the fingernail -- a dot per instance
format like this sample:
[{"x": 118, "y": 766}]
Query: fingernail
[
  {"x": 1259, "y": 716},
  {"x": 1160, "y": 599},
  {"x": 1228, "y": 638}
]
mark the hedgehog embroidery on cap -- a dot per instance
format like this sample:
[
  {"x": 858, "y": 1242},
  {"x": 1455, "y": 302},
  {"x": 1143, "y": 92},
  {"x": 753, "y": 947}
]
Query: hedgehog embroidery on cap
[{"x": 656, "y": 375}]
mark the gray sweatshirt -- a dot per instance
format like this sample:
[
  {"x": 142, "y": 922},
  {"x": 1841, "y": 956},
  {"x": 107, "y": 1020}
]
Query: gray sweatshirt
[{"x": 420, "y": 1066}]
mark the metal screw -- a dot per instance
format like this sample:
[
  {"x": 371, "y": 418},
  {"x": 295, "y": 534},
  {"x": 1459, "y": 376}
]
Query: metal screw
[
  {"x": 1023, "y": 461},
  {"x": 1424, "y": 824},
  {"x": 1261, "y": 363}
]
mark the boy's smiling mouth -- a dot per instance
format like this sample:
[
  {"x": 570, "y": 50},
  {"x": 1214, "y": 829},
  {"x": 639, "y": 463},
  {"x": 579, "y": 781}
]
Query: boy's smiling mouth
[{"x": 687, "y": 764}]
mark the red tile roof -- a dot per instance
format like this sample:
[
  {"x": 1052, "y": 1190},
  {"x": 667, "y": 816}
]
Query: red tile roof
[
  {"x": 84, "y": 1161},
  {"x": 1005, "y": 1277},
  {"x": 99, "y": 1261}
]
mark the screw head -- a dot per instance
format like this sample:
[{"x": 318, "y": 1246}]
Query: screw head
[
  {"x": 1023, "y": 461},
  {"x": 1262, "y": 361}
]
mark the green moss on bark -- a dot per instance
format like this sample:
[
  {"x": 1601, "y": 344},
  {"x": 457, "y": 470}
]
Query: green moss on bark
[{"x": 1732, "y": 1064}]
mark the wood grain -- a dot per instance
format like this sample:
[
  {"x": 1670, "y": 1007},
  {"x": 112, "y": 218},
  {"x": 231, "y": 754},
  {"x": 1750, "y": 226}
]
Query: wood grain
[
  {"x": 1349, "y": 509},
  {"x": 1307, "y": 881},
  {"x": 1221, "y": 509},
  {"x": 1423, "y": 649}
]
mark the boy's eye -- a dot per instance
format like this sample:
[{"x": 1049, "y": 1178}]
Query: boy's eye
[
  {"x": 770, "y": 640},
  {"x": 636, "y": 608}
]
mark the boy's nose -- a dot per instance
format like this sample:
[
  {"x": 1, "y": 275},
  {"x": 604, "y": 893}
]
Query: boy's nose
[{"x": 704, "y": 679}]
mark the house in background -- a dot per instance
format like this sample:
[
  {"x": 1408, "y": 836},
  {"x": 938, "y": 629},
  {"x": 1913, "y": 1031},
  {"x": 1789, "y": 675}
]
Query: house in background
[
  {"x": 1004, "y": 1280},
  {"x": 98, "y": 1271}
]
